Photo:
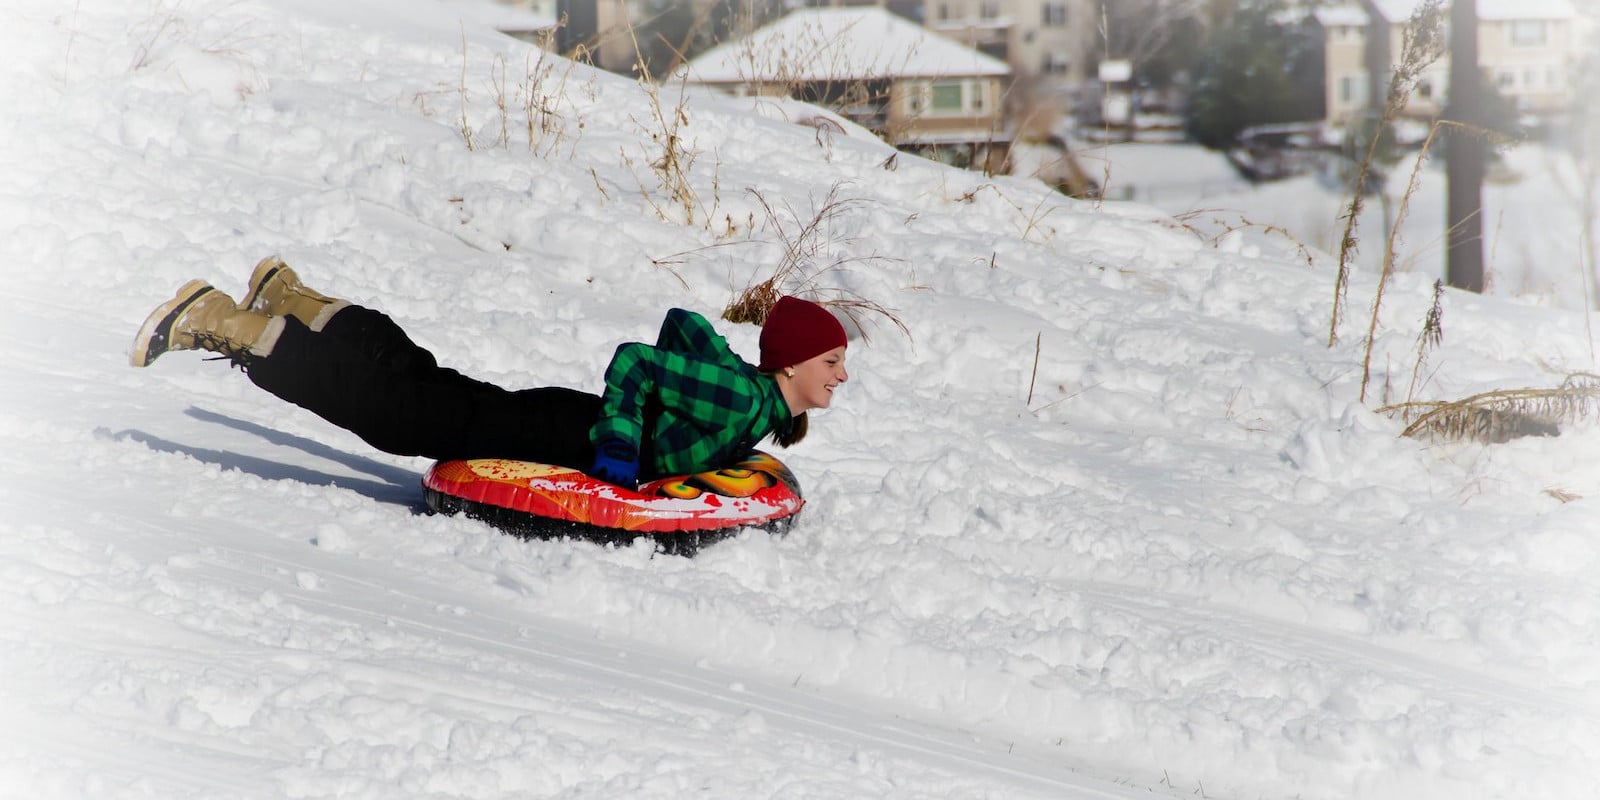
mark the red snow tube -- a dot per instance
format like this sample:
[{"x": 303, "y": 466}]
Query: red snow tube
[{"x": 536, "y": 500}]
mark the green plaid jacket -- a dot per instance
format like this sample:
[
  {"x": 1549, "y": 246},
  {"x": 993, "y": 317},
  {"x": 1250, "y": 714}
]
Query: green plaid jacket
[{"x": 688, "y": 403}]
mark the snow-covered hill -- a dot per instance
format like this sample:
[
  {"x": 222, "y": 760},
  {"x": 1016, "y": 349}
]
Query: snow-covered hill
[{"x": 1111, "y": 522}]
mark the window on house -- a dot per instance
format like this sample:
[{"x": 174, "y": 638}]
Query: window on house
[
  {"x": 1056, "y": 63},
  {"x": 1352, "y": 91},
  {"x": 1054, "y": 15},
  {"x": 1528, "y": 33},
  {"x": 945, "y": 98},
  {"x": 1505, "y": 79},
  {"x": 990, "y": 9},
  {"x": 1425, "y": 89}
]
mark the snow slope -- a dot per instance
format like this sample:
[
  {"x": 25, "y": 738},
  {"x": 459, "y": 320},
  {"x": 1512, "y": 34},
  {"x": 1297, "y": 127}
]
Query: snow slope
[{"x": 1112, "y": 522}]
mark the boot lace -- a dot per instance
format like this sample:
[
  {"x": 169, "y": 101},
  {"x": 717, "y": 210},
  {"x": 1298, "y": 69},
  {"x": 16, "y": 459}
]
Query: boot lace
[{"x": 226, "y": 350}]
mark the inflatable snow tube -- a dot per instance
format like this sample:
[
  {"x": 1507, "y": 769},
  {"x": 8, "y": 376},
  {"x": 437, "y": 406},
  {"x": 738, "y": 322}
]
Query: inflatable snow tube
[{"x": 681, "y": 513}]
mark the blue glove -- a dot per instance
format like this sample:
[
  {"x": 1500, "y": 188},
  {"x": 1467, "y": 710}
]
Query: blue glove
[{"x": 616, "y": 462}]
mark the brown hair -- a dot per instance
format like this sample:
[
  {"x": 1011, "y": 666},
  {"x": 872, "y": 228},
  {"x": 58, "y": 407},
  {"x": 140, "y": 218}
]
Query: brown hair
[{"x": 796, "y": 432}]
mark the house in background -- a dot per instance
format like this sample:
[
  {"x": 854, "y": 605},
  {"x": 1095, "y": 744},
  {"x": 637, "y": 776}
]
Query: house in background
[
  {"x": 1527, "y": 48},
  {"x": 1049, "y": 44},
  {"x": 1347, "y": 73},
  {"x": 1052, "y": 47},
  {"x": 1051, "y": 39},
  {"x": 922, "y": 92}
]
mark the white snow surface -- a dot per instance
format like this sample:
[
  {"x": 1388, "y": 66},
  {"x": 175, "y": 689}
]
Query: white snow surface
[
  {"x": 841, "y": 44},
  {"x": 1112, "y": 522}
]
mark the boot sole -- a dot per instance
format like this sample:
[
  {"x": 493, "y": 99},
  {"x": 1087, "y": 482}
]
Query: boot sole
[
  {"x": 265, "y": 272},
  {"x": 155, "y": 335}
]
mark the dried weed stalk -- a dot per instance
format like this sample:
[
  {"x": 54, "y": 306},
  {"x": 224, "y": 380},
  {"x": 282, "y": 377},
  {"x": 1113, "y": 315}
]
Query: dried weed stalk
[
  {"x": 674, "y": 159},
  {"x": 465, "y": 124},
  {"x": 1031, "y": 220},
  {"x": 1389, "y": 251},
  {"x": 541, "y": 122},
  {"x": 545, "y": 127},
  {"x": 1186, "y": 221},
  {"x": 1422, "y": 43},
  {"x": 165, "y": 26},
  {"x": 1429, "y": 340},
  {"x": 1105, "y": 140},
  {"x": 497, "y": 83},
  {"x": 1391, "y": 245}
]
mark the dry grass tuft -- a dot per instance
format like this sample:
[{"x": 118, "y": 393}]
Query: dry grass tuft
[
  {"x": 753, "y": 304},
  {"x": 1502, "y": 415},
  {"x": 805, "y": 249},
  {"x": 1563, "y": 495}
]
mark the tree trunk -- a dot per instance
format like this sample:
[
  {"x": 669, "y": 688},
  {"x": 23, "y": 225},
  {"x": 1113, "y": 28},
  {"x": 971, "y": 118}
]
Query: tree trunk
[{"x": 1465, "y": 152}]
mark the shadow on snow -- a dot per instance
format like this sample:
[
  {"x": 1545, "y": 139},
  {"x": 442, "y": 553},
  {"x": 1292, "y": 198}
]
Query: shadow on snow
[{"x": 395, "y": 485}]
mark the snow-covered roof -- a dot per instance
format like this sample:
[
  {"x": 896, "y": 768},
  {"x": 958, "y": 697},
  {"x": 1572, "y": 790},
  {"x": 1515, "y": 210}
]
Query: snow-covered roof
[
  {"x": 1351, "y": 15},
  {"x": 1526, "y": 9},
  {"x": 834, "y": 44},
  {"x": 499, "y": 16},
  {"x": 1401, "y": 10}
]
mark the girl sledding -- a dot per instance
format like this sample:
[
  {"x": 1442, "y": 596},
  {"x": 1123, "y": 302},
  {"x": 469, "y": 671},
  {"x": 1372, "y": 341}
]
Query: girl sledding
[{"x": 682, "y": 406}]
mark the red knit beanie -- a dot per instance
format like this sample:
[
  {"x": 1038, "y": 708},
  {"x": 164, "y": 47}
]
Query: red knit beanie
[{"x": 797, "y": 330}]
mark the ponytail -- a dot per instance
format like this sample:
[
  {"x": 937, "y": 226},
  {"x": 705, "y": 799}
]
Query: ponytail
[{"x": 797, "y": 431}]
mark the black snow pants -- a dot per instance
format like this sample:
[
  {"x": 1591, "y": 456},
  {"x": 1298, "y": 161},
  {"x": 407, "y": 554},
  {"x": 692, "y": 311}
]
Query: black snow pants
[{"x": 362, "y": 373}]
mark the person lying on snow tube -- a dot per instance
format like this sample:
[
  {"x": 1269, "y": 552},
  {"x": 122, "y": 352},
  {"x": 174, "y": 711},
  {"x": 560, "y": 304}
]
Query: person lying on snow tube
[{"x": 687, "y": 404}]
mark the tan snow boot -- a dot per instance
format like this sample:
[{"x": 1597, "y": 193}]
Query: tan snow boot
[
  {"x": 275, "y": 290},
  {"x": 199, "y": 317}
]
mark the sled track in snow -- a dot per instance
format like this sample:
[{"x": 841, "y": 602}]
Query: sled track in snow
[
  {"x": 562, "y": 649},
  {"x": 1277, "y": 639}
]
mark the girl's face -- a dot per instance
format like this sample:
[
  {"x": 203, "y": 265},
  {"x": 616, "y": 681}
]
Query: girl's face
[{"x": 812, "y": 384}]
